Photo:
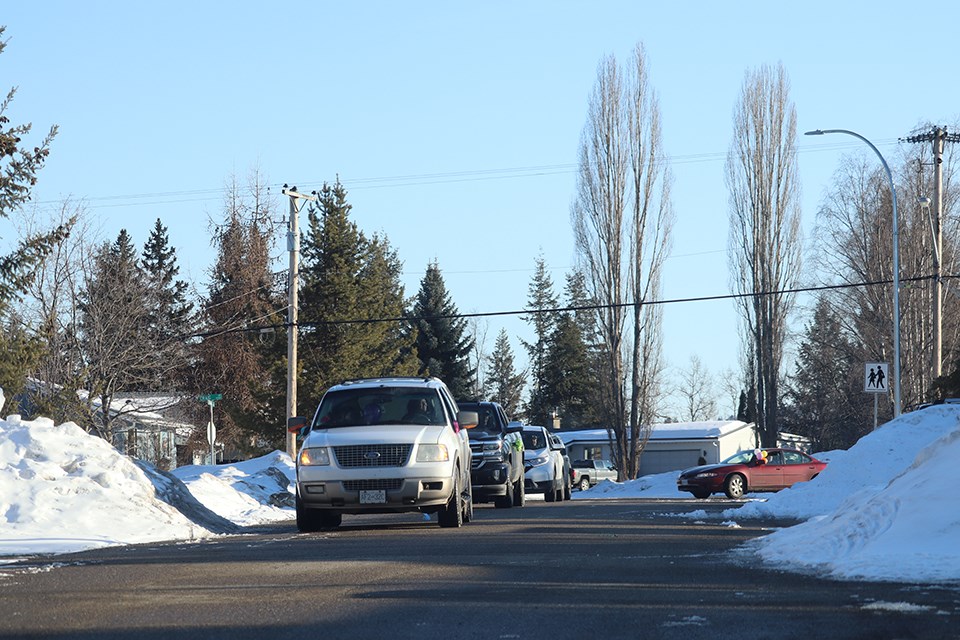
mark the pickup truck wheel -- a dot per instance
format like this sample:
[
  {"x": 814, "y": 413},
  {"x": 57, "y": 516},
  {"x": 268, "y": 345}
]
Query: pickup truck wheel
[
  {"x": 520, "y": 498},
  {"x": 507, "y": 500},
  {"x": 452, "y": 514},
  {"x": 584, "y": 484}
]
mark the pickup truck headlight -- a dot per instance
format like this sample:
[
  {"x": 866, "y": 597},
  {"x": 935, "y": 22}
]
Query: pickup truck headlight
[
  {"x": 315, "y": 457},
  {"x": 539, "y": 460},
  {"x": 493, "y": 451},
  {"x": 432, "y": 453}
]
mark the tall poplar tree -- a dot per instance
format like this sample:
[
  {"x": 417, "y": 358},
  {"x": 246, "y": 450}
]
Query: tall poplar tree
[
  {"x": 764, "y": 237},
  {"x": 443, "y": 345}
]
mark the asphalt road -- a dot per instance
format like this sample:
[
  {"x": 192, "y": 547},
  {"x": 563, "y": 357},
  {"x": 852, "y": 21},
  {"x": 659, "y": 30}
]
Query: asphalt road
[{"x": 581, "y": 569}]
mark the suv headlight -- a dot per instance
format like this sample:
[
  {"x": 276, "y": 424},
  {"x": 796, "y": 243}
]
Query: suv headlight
[
  {"x": 539, "y": 460},
  {"x": 432, "y": 453},
  {"x": 314, "y": 457}
]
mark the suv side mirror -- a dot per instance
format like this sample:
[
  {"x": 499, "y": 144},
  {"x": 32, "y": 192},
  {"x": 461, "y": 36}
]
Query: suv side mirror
[
  {"x": 296, "y": 423},
  {"x": 468, "y": 419}
]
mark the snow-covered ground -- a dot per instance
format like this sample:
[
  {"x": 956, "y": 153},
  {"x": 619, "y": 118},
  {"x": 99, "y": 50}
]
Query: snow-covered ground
[{"x": 887, "y": 509}]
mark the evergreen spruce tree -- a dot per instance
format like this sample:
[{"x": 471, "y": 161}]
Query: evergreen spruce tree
[
  {"x": 825, "y": 399},
  {"x": 247, "y": 368},
  {"x": 442, "y": 344},
  {"x": 539, "y": 298},
  {"x": 504, "y": 384},
  {"x": 19, "y": 165},
  {"x": 568, "y": 379},
  {"x": 113, "y": 320},
  {"x": 169, "y": 312},
  {"x": 349, "y": 284}
]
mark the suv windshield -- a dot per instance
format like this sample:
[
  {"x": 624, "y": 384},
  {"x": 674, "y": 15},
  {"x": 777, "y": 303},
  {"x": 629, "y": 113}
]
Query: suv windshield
[
  {"x": 379, "y": 405},
  {"x": 533, "y": 440}
]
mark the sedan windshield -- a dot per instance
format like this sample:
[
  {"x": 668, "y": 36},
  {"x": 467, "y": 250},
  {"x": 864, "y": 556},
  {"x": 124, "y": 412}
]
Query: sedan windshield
[
  {"x": 379, "y": 405},
  {"x": 743, "y": 457}
]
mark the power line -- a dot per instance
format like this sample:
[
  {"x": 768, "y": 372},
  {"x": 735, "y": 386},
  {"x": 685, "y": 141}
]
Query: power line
[
  {"x": 407, "y": 180},
  {"x": 492, "y": 314}
]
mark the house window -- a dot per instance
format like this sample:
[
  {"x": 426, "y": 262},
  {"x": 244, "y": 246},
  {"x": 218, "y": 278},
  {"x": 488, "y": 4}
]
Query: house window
[{"x": 593, "y": 453}]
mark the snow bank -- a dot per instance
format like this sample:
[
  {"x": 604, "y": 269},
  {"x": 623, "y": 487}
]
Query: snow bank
[{"x": 63, "y": 490}]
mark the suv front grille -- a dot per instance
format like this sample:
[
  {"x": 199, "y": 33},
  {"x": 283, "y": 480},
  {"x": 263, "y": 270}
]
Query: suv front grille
[
  {"x": 373, "y": 455},
  {"x": 388, "y": 484}
]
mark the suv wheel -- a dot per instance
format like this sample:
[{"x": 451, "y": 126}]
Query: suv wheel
[
  {"x": 550, "y": 493},
  {"x": 452, "y": 514},
  {"x": 520, "y": 498},
  {"x": 310, "y": 520}
]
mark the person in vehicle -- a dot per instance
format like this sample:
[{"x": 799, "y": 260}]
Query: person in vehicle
[{"x": 418, "y": 411}]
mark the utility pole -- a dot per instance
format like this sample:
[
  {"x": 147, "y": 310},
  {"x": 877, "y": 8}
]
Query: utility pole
[
  {"x": 938, "y": 137},
  {"x": 293, "y": 304}
]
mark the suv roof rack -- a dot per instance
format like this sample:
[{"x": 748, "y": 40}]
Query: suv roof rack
[{"x": 391, "y": 379}]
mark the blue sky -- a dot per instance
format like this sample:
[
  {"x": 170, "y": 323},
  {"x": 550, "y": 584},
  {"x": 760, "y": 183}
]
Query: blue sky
[{"x": 454, "y": 126}]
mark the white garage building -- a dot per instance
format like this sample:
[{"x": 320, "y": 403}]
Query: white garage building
[{"x": 671, "y": 446}]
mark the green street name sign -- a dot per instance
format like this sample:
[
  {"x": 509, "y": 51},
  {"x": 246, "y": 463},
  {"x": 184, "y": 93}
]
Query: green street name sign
[{"x": 210, "y": 397}]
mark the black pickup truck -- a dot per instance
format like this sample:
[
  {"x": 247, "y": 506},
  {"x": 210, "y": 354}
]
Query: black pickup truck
[{"x": 496, "y": 449}]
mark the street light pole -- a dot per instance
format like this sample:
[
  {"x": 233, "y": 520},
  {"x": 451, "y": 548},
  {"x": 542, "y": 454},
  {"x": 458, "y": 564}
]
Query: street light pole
[{"x": 896, "y": 264}]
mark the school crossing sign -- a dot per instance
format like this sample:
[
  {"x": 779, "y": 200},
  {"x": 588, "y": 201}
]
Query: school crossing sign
[{"x": 876, "y": 378}]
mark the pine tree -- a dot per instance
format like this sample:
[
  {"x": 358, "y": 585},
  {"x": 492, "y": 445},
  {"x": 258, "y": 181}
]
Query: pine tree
[
  {"x": 18, "y": 174},
  {"x": 442, "y": 344},
  {"x": 824, "y": 400},
  {"x": 349, "y": 284},
  {"x": 246, "y": 367},
  {"x": 169, "y": 311},
  {"x": 540, "y": 297},
  {"x": 504, "y": 384},
  {"x": 113, "y": 320}
]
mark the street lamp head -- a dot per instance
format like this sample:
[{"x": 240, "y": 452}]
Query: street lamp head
[
  {"x": 923, "y": 201},
  {"x": 815, "y": 132}
]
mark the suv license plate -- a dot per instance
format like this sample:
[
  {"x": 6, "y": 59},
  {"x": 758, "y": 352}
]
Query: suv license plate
[{"x": 373, "y": 497}]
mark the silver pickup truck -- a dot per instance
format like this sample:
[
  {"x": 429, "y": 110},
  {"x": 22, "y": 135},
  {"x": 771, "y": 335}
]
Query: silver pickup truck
[{"x": 587, "y": 473}]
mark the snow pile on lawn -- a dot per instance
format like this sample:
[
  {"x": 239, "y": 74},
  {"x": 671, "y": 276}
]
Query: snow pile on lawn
[
  {"x": 64, "y": 490},
  {"x": 660, "y": 485},
  {"x": 899, "y": 518},
  {"x": 252, "y": 492}
]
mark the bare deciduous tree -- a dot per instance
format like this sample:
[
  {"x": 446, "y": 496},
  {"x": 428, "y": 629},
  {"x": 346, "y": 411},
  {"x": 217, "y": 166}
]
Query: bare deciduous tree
[
  {"x": 696, "y": 393},
  {"x": 764, "y": 230},
  {"x": 622, "y": 220}
]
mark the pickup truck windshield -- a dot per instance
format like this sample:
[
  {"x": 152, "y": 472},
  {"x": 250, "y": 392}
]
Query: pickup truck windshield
[{"x": 379, "y": 406}]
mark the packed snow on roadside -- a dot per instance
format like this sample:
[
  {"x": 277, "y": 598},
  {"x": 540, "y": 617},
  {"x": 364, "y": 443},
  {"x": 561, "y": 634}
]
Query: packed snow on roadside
[
  {"x": 884, "y": 510},
  {"x": 64, "y": 490}
]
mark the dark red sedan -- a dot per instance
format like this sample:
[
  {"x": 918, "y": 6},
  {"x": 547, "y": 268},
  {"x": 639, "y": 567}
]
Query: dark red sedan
[{"x": 750, "y": 471}]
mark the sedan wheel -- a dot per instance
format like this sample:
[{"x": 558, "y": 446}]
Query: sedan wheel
[{"x": 735, "y": 487}]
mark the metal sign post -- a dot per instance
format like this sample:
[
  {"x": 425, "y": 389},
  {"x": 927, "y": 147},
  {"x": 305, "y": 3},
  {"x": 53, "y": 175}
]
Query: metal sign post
[
  {"x": 876, "y": 380},
  {"x": 211, "y": 399}
]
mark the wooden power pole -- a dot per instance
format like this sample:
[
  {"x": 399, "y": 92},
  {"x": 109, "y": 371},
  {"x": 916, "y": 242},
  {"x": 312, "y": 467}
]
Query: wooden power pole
[
  {"x": 938, "y": 137},
  {"x": 293, "y": 304}
]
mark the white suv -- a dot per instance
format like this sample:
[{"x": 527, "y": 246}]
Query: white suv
[
  {"x": 384, "y": 445},
  {"x": 544, "y": 464}
]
